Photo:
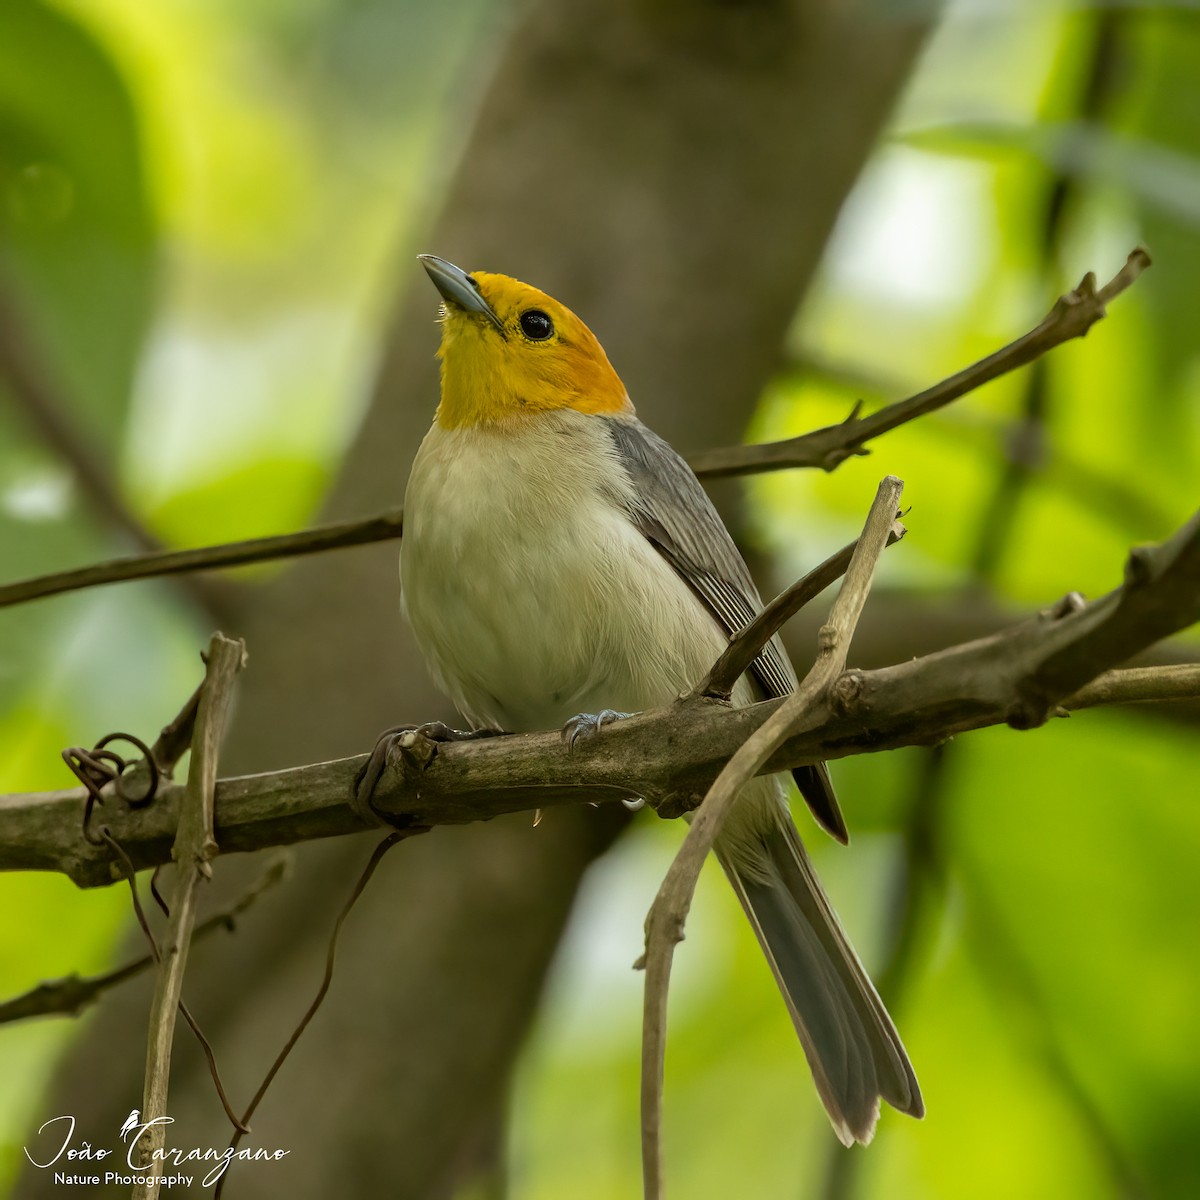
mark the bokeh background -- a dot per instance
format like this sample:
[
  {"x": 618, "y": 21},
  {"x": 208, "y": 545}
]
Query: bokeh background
[{"x": 207, "y": 220}]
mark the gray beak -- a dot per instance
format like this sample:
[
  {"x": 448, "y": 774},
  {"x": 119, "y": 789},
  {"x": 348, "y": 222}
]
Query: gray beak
[{"x": 457, "y": 287}]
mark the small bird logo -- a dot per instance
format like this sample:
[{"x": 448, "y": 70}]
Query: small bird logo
[{"x": 132, "y": 1122}]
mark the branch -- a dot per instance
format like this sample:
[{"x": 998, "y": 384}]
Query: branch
[
  {"x": 243, "y": 1123},
  {"x": 380, "y": 528},
  {"x": 195, "y": 847},
  {"x": 72, "y": 994},
  {"x": 175, "y": 738},
  {"x": 1090, "y": 486},
  {"x": 746, "y": 645},
  {"x": 1018, "y": 676},
  {"x": 1138, "y": 685},
  {"x": 664, "y": 924},
  {"x": 477, "y": 781},
  {"x": 1071, "y": 317}
]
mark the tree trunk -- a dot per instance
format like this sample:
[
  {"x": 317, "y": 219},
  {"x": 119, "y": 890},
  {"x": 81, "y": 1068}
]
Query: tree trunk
[{"x": 671, "y": 171}]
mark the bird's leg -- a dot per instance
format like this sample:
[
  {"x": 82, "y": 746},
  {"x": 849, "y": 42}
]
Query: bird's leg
[
  {"x": 587, "y": 725},
  {"x": 370, "y": 773}
]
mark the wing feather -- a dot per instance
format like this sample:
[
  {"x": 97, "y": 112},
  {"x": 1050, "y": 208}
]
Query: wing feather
[{"x": 673, "y": 511}]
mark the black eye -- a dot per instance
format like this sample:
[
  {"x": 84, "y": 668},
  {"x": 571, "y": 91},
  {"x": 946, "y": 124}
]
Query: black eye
[{"x": 535, "y": 325}]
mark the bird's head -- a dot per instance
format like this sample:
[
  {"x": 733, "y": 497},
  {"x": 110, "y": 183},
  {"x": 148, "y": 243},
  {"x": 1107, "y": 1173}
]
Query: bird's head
[{"x": 509, "y": 350}]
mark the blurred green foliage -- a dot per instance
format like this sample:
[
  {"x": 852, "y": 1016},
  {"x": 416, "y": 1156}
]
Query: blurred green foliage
[{"x": 200, "y": 207}]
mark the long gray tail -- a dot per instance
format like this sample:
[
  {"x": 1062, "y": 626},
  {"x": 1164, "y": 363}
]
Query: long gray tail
[{"x": 852, "y": 1046}]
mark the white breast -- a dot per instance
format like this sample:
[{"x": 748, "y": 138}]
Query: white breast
[{"x": 531, "y": 593}]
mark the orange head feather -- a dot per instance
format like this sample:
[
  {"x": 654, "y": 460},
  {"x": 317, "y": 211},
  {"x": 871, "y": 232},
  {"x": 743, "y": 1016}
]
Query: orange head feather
[{"x": 508, "y": 349}]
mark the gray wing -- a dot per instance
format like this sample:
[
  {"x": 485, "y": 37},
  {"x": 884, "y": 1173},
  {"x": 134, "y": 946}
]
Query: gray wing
[{"x": 674, "y": 513}]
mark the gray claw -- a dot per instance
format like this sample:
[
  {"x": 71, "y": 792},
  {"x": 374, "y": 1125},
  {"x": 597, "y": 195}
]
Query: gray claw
[
  {"x": 371, "y": 772},
  {"x": 587, "y": 725}
]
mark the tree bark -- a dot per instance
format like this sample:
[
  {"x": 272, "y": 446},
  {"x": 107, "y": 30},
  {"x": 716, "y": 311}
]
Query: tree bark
[{"x": 671, "y": 171}]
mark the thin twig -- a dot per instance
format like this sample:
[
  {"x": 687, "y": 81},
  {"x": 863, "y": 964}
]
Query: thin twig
[
  {"x": 1025, "y": 446},
  {"x": 1071, "y": 317},
  {"x": 745, "y": 645},
  {"x": 72, "y": 994},
  {"x": 1090, "y": 487},
  {"x": 826, "y": 448},
  {"x": 195, "y": 847},
  {"x": 326, "y": 981},
  {"x": 128, "y": 872},
  {"x": 1138, "y": 685},
  {"x": 664, "y": 925},
  {"x": 175, "y": 737},
  {"x": 143, "y": 776},
  {"x": 379, "y": 528}
]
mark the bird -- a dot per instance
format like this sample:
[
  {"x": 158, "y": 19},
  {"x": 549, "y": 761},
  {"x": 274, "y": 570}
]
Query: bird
[{"x": 562, "y": 566}]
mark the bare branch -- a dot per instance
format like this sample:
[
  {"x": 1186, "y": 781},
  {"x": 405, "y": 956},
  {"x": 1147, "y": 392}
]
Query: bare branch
[
  {"x": 72, "y": 994},
  {"x": 175, "y": 738},
  {"x": 1071, "y": 317},
  {"x": 380, "y": 528},
  {"x": 745, "y": 645},
  {"x": 664, "y": 924},
  {"x": 243, "y": 1126},
  {"x": 477, "y": 781},
  {"x": 1138, "y": 685},
  {"x": 195, "y": 847}
]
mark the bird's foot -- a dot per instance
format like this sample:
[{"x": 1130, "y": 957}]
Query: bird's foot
[
  {"x": 402, "y": 738},
  {"x": 587, "y": 725}
]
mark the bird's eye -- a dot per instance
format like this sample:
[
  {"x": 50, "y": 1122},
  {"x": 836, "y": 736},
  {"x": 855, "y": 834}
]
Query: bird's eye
[{"x": 535, "y": 325}]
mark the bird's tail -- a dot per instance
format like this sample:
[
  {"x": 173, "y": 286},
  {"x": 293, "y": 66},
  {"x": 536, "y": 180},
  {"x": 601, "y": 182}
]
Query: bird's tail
[{"x": 852, "y": 1046}]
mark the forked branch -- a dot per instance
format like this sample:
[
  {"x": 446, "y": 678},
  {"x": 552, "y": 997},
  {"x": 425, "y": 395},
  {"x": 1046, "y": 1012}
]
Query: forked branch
[
  {"x": 194, "y": 848},
  {"x": 1071, "y": 317}
]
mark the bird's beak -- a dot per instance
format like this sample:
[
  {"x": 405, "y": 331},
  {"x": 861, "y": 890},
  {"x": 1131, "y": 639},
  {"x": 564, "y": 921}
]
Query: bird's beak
[{"x": 457, "y": 287}]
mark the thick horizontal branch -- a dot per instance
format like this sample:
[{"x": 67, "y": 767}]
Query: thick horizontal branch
[
  {"x": 1019, "y": 676},
  {"x": 1071, "y": 317},
  {"x": 476, "y": 781}
]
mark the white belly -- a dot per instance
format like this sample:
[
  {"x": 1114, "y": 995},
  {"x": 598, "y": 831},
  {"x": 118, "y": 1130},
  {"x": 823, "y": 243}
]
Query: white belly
[{"x": 531, "y": 593}]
